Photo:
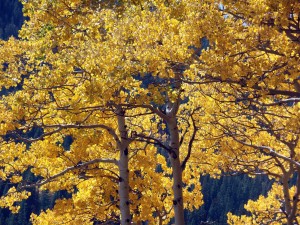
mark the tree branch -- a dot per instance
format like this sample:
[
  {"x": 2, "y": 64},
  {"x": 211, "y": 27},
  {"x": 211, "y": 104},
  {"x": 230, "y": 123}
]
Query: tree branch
[
  {"x": 157, "y": 142},
  {"x": 284, "y": 101},
  {"x": 80, "y": 126},
  {"x": 270, "y": 152},
  {"x": 195, "y": 129},
  {"x": 68, "y": 169},
  {"x": 150, "y": 107}
]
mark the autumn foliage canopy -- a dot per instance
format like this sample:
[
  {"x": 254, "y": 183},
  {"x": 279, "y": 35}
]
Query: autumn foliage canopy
[{"x": 150, "y": 96}]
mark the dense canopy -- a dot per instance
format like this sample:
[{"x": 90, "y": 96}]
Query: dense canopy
[{"x": 151, "y": 95}]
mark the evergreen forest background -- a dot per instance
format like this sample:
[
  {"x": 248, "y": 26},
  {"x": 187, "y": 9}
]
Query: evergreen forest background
[{"x": 227, "y": 194}]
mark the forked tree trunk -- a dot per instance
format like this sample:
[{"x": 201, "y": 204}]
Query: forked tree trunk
[{"x": 123, "y": 170}]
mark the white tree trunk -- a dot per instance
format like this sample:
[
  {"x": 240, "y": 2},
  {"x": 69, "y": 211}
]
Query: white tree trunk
[
  {"x": 123, "y": 170},
  {"x": 177, "y": 171}
]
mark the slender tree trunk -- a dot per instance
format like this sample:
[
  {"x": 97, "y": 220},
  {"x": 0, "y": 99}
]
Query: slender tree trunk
[
  {"x": 123, "y": 170},
  {"x": 160, "y": 220},
  {"x": 177, "y": 171},
  {"x": 287, "y": 197},
  {"x": 295, "y": 208}
]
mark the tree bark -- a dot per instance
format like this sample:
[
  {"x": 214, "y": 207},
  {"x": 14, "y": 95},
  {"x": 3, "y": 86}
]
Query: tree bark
[
  {"x": 287, "y": 197},
  {"x": 177, "y": 171},
  {"x": 123, "y": 169}
]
